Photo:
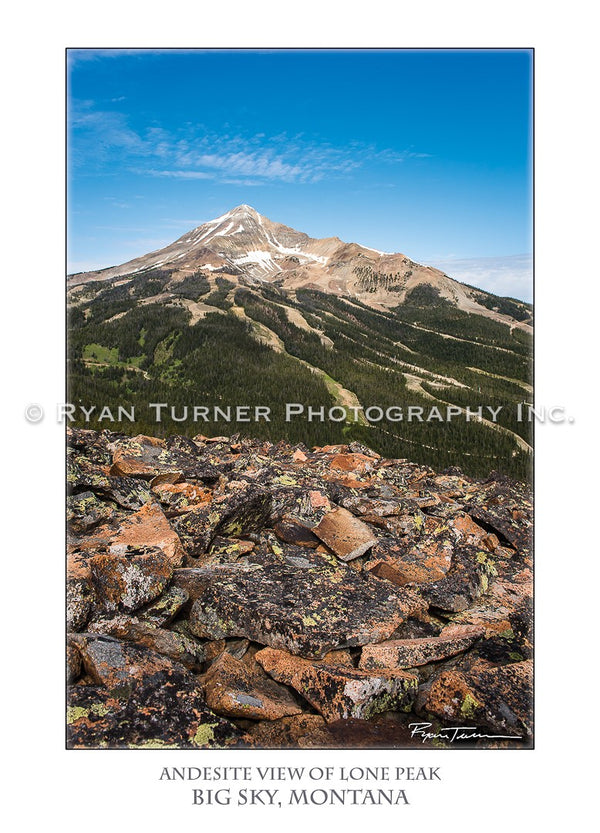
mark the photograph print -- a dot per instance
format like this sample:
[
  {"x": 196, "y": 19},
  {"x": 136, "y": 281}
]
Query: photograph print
[{"x": 299, "y": 399}]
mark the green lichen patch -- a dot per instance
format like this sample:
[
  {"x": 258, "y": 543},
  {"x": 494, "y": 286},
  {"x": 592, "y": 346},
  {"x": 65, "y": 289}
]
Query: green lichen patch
[{"x": 469, "y": 706}]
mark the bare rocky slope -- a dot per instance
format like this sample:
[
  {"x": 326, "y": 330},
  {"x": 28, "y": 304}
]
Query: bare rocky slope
[{"x": 226, "y": 592}]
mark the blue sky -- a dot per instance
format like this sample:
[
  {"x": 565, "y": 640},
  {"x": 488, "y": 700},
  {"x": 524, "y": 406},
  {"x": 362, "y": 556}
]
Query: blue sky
[{"x": 423, "y": 152}]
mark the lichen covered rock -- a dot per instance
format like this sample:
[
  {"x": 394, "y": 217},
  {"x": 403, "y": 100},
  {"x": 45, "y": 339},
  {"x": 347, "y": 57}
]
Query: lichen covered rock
[
  {"x": 236, "y": 689},
  {"x": 80, "y": 592},
  {"x": 408, "y": 653},
  {"x": 242, "y": 510},
  {"x": 180, "y": 647},
  {"x": 139, "y": 698},
  {"x": 309, "y": 604},
  {"x": 147, "y": 457},
  {"x": 301, "y": 731},
  {"x": 346, "y": 536},
  {"x": 221, "y": 591},
  {"x": 340, "y": 692},
  {"x": 130, "y": 579},
  {"x": 498, "y": 699}
]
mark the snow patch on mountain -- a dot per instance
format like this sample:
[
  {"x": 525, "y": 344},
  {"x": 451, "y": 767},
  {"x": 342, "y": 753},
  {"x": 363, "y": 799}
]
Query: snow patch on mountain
[
  {"x": 261, "y": 258},
  {"x": 377, "y": 251}
]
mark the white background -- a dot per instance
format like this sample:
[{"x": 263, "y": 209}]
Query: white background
[{"x": 93, "y": 791}]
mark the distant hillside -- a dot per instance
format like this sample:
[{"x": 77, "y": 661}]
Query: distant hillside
[{"x": 243, "y": 311}]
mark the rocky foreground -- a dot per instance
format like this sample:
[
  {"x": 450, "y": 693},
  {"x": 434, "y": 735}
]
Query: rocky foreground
[{"x": 235, "y": 593}]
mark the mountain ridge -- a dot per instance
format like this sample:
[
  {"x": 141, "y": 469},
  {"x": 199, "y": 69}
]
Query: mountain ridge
[
  {"x": 251, "y": 249},
  {"x": 263, "y": 316}
]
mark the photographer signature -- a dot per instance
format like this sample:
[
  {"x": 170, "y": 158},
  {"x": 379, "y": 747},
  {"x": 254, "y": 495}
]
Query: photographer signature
[{"x": 453, "y": 733}]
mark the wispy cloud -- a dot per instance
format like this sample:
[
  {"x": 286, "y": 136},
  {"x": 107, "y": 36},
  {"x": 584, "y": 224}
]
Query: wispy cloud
[
  {"x": 97, "y": 136},
  {"x": 245, "y": 183},
  {"x": 78, "y": 56},
  {"x": 193, "y": 152},
  {"x": 178, "y": 174},
  {"x": 511, "y": 275}
]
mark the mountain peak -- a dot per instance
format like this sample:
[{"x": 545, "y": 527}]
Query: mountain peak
[
  {"x": 249, "y": 247},
  {"x": 239, "y": 213},
  {"x": 243, "y": 209}
]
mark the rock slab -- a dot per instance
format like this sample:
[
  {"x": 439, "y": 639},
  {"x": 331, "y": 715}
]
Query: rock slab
[
  {"x": 236, "y": 689},
  {"x": 308, "y": 605},
  {"x": 341, "y": 692},
  {"x": 346, "y": 536},
  {"x": 408, "y": 653}
]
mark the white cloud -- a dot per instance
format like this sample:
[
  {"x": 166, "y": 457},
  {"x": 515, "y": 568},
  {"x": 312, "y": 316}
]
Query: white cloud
[
  {"x": 511, "y": 275},
  {"x": 180, "y": 174}
]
